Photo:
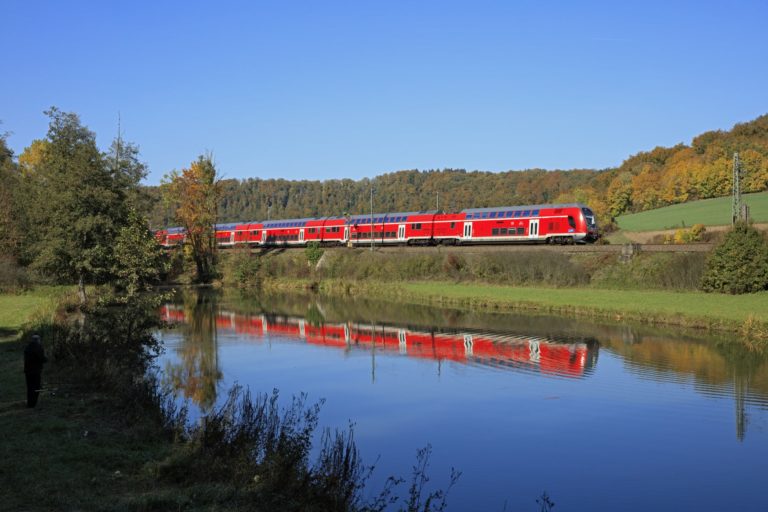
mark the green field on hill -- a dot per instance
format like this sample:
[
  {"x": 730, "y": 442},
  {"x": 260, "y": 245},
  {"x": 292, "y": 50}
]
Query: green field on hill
[{"x": 710, "y": 212}]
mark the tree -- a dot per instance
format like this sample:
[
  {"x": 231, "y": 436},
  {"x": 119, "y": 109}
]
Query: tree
[
  {"x": 10, "y": 232},
  {"x": 122, "y": 160},
  {"x": 76, "y": 205},
  {"x": 139, "y": 259},
  {"x": 32, "y": 156},
  {"x": 193, "y": 194},
  {"x": 739, "y": 264},
  {"x": 620, "y": 194}
]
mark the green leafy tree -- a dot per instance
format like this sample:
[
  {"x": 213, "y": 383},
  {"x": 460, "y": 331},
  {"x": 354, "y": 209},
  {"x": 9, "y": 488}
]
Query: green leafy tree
[
  {"x": 139, "y": 259},
  {"x": 124, "y": 163},
  {"x": 76, "y": 207},
  {"x": 10, "y": 232},
  {"x": 739, "y": 264}
]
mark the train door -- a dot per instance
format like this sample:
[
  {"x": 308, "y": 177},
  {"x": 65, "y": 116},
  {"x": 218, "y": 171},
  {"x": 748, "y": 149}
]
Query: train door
[
  {"x": 232, "y": 238},
  {"x": 301, "y": 236},
  {"x": 263, "y": 236},
  {"x": 346, "y": 234},
  {"x": 401, "y": 233},
  {"x": 533, "y": 229},
  {"x": 467, "y": 231}
]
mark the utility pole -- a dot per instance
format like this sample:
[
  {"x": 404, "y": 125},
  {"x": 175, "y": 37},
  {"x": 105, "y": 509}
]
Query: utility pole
[
  {"x": 438, "y": 200},
  {"x": 739, "y": 210}
]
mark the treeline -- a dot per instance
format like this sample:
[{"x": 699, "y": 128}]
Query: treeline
[
  {"x": 649, "y": 179},
  {"x": 70, "y": 213}
]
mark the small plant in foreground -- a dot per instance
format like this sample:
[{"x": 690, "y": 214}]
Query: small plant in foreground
[{"x": 263, "y": 450}]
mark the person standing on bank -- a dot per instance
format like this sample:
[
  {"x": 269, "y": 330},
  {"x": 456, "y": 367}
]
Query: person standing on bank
[{"x": 34, "y": 358}]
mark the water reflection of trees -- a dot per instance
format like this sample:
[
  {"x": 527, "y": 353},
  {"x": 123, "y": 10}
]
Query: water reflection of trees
[
  {"x": 713, "y": 365},
  {"x": 197, "y": 373}
]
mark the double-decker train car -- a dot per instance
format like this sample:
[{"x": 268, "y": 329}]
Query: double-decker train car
[{"x": 544, "y": 223}]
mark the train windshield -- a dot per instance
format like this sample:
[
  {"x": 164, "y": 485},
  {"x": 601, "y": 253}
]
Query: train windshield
[{"x": 589, "y": 217}]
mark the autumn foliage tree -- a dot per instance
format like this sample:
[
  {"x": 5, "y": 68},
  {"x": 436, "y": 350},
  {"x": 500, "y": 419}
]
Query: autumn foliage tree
[{"x": 193, "y": 195}]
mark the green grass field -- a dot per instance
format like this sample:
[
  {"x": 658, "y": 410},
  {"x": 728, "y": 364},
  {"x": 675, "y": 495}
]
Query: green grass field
[
  {"x": 741, "y": 315},
  {"x": 18, "y": 309},
  {"x": 710, "y": 212},
  {"x": 711, "y": 306}
]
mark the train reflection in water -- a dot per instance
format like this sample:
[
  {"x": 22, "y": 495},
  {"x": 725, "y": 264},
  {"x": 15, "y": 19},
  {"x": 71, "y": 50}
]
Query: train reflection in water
[{"x": 564, "y": 358}]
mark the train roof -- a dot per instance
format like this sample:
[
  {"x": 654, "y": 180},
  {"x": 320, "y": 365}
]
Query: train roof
[
  {"x": 289, "y": 223},
  {"x": 524, "y": 207},
  {"x": 380, "y": 217}
]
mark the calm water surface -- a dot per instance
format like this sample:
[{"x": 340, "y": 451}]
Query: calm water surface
[{"x": 602, "y": 417}]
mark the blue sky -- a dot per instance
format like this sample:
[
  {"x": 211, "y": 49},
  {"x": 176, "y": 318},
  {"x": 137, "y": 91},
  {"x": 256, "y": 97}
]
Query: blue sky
[{"x": 320, "y": 90}]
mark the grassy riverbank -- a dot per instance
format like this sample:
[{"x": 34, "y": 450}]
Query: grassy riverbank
[
  {"x": 16, "y": 310},
  {"x": 74, "y": 450},
  {"x": 746, "y": 315},
  {"x": 656, "y": 288},
  {"x": 104, "y": 435}
]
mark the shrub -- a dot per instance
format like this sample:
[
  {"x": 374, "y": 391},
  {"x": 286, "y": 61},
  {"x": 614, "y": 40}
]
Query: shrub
[
  {"x": 12, "y": 276},
  {"x": 243, "y": 269},
  {"x": 739, "y": 264},
  {"x": 313, "y": 252}
]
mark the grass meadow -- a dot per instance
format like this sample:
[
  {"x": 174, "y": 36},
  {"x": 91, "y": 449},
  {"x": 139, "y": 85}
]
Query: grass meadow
[
  {"x": 699, "y": 307},
  {"x": 710, "y": 212}
]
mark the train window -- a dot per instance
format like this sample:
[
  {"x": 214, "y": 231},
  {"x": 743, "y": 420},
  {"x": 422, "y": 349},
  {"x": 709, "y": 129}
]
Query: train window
[
  {"x": 336, "y": 229},
  {"x": 521, "y": 231},
  {"x": 493, "y": 215},
  {"x": 527, "y": 213},
  {"x": 517, "y": 213},
  {"x": 485, "y": 215},
  {"x": 328, "y": 230},
  {"x": 503, "y": 231},
  {"x": 453, "y": 225},
  {"x": 495, "y": 231},
  {"x": 535, "y": 213},
  {"x": 571, "y": 222}
]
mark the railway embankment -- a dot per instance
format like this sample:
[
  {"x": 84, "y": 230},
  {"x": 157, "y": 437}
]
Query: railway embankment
[{"x": 649, "y": 287}]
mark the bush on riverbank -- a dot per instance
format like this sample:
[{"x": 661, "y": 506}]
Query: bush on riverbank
[
  {"x": 739, "y": 264},
  {"x": 674, "y": 271}
]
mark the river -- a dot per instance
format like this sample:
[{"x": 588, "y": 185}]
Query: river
[{"x": 598, "y": 416}]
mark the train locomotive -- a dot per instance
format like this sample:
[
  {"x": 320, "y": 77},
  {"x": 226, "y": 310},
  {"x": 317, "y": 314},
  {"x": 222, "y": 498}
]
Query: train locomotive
[{"x": 544, "y": 223}]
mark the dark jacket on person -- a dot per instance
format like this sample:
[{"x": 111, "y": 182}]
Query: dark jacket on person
[{"x": 34, "y": 357}]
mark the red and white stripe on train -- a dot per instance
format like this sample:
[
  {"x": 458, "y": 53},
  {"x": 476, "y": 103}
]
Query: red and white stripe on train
[{"x": 546, "y": 223}]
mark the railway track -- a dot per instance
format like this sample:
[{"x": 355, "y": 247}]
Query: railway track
[
  {"x": 626, "y": 249},
  {"x": 587, "y": 248}
]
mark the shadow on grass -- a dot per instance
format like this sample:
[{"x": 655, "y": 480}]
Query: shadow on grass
[{"x": 7, "y": 333}]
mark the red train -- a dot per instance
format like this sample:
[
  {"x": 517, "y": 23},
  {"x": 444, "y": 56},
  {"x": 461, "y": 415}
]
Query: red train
[
  {"x": 574, "y": 359},
  {"x": 544, "y": 223}
]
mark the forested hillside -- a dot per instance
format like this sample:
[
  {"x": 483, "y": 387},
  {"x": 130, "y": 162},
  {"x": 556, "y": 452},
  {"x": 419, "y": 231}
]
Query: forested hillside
[{"x": 650, "y": 179}]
